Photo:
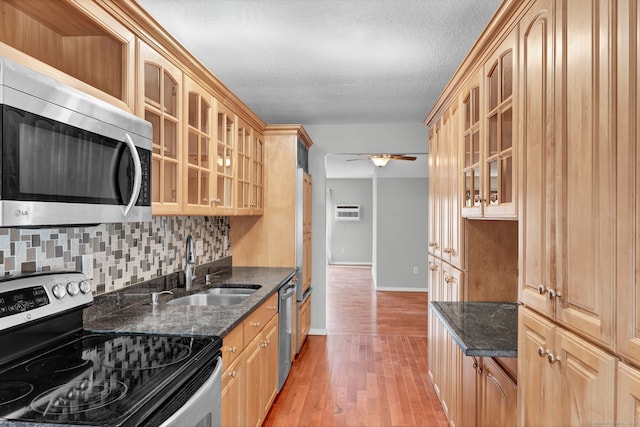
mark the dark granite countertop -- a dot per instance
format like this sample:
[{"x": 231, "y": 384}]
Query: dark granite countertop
[
  {"x": 191, "y": 320},
  {"x": 488, "y": 329}
]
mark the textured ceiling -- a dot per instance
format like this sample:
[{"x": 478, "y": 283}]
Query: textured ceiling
[{"x": 329, "y": 61}]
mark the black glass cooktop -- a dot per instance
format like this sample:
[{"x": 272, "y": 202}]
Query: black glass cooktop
[{"x": 99, "y": 379}]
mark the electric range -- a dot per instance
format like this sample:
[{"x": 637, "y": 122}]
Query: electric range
[{"x": 53, "y": 371}]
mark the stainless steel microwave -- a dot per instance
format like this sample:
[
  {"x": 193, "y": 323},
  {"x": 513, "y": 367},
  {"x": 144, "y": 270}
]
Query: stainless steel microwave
[{"x": 68, "y": 158}]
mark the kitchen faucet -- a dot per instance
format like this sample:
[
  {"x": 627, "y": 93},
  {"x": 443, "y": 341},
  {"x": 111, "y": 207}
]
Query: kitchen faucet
[{"x": 190, "y": 264}]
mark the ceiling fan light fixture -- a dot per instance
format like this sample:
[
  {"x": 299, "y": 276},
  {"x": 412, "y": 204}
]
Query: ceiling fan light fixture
[{"x": 380, "y": 161}]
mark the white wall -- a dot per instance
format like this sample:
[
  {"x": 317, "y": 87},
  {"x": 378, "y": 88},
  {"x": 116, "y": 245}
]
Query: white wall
[
  {"x": 401, "y": 234},
  {"x": 349, "y": 242},
  {"x": 352, "y": 138}
]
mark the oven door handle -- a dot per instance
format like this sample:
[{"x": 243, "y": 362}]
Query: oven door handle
[{"x": 137, "y": 178}]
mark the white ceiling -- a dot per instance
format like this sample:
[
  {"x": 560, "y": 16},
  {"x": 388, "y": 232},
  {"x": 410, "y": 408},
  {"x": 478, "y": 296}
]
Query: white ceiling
[{"x": 329, "y": 61}]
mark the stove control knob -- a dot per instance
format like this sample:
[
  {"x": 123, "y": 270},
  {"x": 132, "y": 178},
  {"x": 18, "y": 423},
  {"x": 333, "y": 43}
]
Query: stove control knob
[
  {"x": 85, "y": 287},
  {"x": 59, "y": 291},
  {"x": 73, "y": 289}
]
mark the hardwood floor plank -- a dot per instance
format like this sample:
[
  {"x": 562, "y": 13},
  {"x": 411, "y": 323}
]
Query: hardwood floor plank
[{"x": 371, "y": 368}]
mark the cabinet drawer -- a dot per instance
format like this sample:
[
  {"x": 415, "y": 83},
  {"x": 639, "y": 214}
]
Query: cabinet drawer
[
  {"x": 259, "y": 318},
  {"x": 232, "y": 346}
]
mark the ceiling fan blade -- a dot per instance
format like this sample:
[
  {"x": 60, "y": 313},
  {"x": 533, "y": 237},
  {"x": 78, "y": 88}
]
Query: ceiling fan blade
[{"x": 402, "y": 157}]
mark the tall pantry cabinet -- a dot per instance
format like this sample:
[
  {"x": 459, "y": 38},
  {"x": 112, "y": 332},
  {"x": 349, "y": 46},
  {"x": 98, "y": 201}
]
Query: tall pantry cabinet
[{"x": 281, "y": 237}]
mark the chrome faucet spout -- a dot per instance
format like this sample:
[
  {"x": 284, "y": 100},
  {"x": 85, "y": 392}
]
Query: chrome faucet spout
[
  {"x": 190, "y": 263},
  {"x": 154, "y": 296}
]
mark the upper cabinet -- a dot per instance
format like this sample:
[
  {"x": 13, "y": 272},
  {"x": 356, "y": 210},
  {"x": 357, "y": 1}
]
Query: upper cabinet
[
  {"x": 199, "y": 182},
  {"x": 489, "y": 169},
  {"x": 208, "y": 146},
  {"x": 160, "y": 103},
  {"x": 499, "y": 185},
  {"x": 84, "y": 47}
]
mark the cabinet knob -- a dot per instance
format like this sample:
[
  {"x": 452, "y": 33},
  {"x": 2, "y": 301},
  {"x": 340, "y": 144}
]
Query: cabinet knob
[
  {"x": 541, "y": 290},
  {"x": 433, "y": 267},
  {"x": 274, "y": 308},
  {"x": 233, "y": 374},
  {"x": 541, "y": 352},
  {"x": 233, "y": 349},
  {"x": 554, "y": 294},
  {"x": 255, "y": 324},
  {"x": 449, "y": 279},
  {"x": 552, "y": 358}
]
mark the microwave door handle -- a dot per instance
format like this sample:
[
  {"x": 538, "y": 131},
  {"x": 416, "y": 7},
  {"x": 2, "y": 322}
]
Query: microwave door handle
[{"x": 137, "y": 180}]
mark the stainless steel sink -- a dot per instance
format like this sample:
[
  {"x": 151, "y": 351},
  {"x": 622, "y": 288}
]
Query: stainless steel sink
[
  {"x": 209, "y": 300},
  {"x": 218, "y": 297},
  {"x": 232, "y": 290}
]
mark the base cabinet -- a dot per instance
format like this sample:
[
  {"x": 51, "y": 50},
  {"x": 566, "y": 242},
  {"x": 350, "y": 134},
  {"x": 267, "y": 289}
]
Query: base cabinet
[
  {"x": 250, "y": 358},
  {"x": 564, "y": 380},
  {"x": 304, "y": 322}
]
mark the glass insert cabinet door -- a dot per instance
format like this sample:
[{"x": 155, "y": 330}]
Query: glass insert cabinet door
[
  {"x": 198, "y": 148},
  {"x": 472, "y": 197},
  {"x": 225, "y": 160},
  {"x": 161, "y": 86}
]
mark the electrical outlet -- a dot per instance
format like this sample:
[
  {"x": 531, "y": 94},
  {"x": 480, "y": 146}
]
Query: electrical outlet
[
  {"x": 415, "y": 270},
  {"x": 87, "y": 266}
]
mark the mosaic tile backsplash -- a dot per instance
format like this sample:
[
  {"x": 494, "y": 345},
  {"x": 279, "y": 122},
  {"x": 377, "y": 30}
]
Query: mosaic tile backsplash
[{"x": 121, "y": 254}]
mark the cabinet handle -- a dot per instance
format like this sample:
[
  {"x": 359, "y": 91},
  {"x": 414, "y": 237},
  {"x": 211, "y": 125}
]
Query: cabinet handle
[
  {"x": 433, "y": 267},
  {"x": 450, "y": 251},
  {"x": 541, "y": 290},
  {"x": 233, "y": 349},
  {"x": 551, "y": 358},
  {"x": 554, "y": 294},
  {"x": 541, "y": 352},
  {"x": 271, "y": 307},
  {"x": 233, "y": 374},
  {"x": 255, "y": 324},
  {"x": 449, "y": 279},
  {"x": 434, "y": 244}
]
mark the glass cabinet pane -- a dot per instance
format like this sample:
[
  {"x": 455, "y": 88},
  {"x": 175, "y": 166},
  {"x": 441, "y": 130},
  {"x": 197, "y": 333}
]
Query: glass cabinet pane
[
  {"x": 170, "y": 139},
  {"x": 154, "y": 119},
  {"x": 193, "y": 109},
  {"x": 493, "y": 135},
  {"x": 507, "y": 75},
  {"x": 204, "y": 151},
  {"x": 204, "y": 117},
  {"x": 204, "y": 188},
  {"x": 493, "y": 87},
  {"x": 475, "y": 106},
  {"x": 192, "y": 185},
  {"x": 477, "y": 199},
  {"x": 152, "y": 83},
  {"x": 468, "y": 185},
  {"x": 170, "y": 182},
  {"x": 170, "y": 95},
  {"x": 476, "y": 147},
  {"x": 493, "y": 182},
  {"x": 467, "y": 112},
  {"x": 506, "y": 180},
  {"x": 506, "y": 130},
  {"x": 192, "y": 146},
  {"x": 467, "y": 150},
  {"x": 155, "y": 183}
]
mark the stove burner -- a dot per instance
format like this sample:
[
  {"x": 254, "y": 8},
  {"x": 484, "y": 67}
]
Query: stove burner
[
  {"x": 79, "y": 396},
  {"x": 57, "y": 363},
  {"x": 13, "y": 390}
]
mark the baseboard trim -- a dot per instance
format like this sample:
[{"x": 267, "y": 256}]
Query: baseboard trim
[
  {"x": 347, "y": 264},
  {"x": 313, "y": 331},
  {"x": 389, "y": 288}
]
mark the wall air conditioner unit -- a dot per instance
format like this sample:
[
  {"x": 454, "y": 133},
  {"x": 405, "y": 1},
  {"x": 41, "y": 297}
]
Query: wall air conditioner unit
[{"x": 347, "y": 212}]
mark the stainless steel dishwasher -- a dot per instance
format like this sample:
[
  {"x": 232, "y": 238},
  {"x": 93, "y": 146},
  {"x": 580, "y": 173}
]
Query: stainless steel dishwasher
[{"x": 285, "y": 311}]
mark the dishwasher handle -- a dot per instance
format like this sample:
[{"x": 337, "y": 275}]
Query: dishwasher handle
[{"x": 287, "y": 291}]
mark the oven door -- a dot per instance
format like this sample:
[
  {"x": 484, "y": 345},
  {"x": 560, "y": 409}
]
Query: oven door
[{"x": 203, "y": 408}]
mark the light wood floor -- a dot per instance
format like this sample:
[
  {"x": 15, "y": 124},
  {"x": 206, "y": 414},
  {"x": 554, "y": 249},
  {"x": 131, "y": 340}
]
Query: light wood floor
[{"x": 371, "y": 368}]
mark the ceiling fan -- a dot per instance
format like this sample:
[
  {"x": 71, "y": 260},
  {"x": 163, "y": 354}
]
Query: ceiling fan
[{"x": 381, "y": 160}]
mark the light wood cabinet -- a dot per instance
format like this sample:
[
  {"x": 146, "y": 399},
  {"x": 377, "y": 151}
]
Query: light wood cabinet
[
  {"x": 257, "y": 175},
  {"x": 262, "y": 373},
  {"x": 489, "y": 141},
  {"x": 250, "y": 360},
  {"x": 628, "y": 396},
  {"x": 434, "y": 294},
  {"x": 81, "y": 45},
  {"x": 563, "y": 379},
  {"x": 568, "y": 255},
  {"x": 627, "y": 257},
  {"x": 435, "y": 198},
  {"x": 488, "y": 395},
  {"x": 159, "y": 87},
  {"x": 304, "y": 321},
  {"x": 498, "y": 396},
  {"x": 199, "y": 182},
  {"x": 250, "y": 171}
]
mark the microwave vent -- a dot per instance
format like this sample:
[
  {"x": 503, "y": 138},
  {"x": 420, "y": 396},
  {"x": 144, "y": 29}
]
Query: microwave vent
[{"x": 348, "y": 212}]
